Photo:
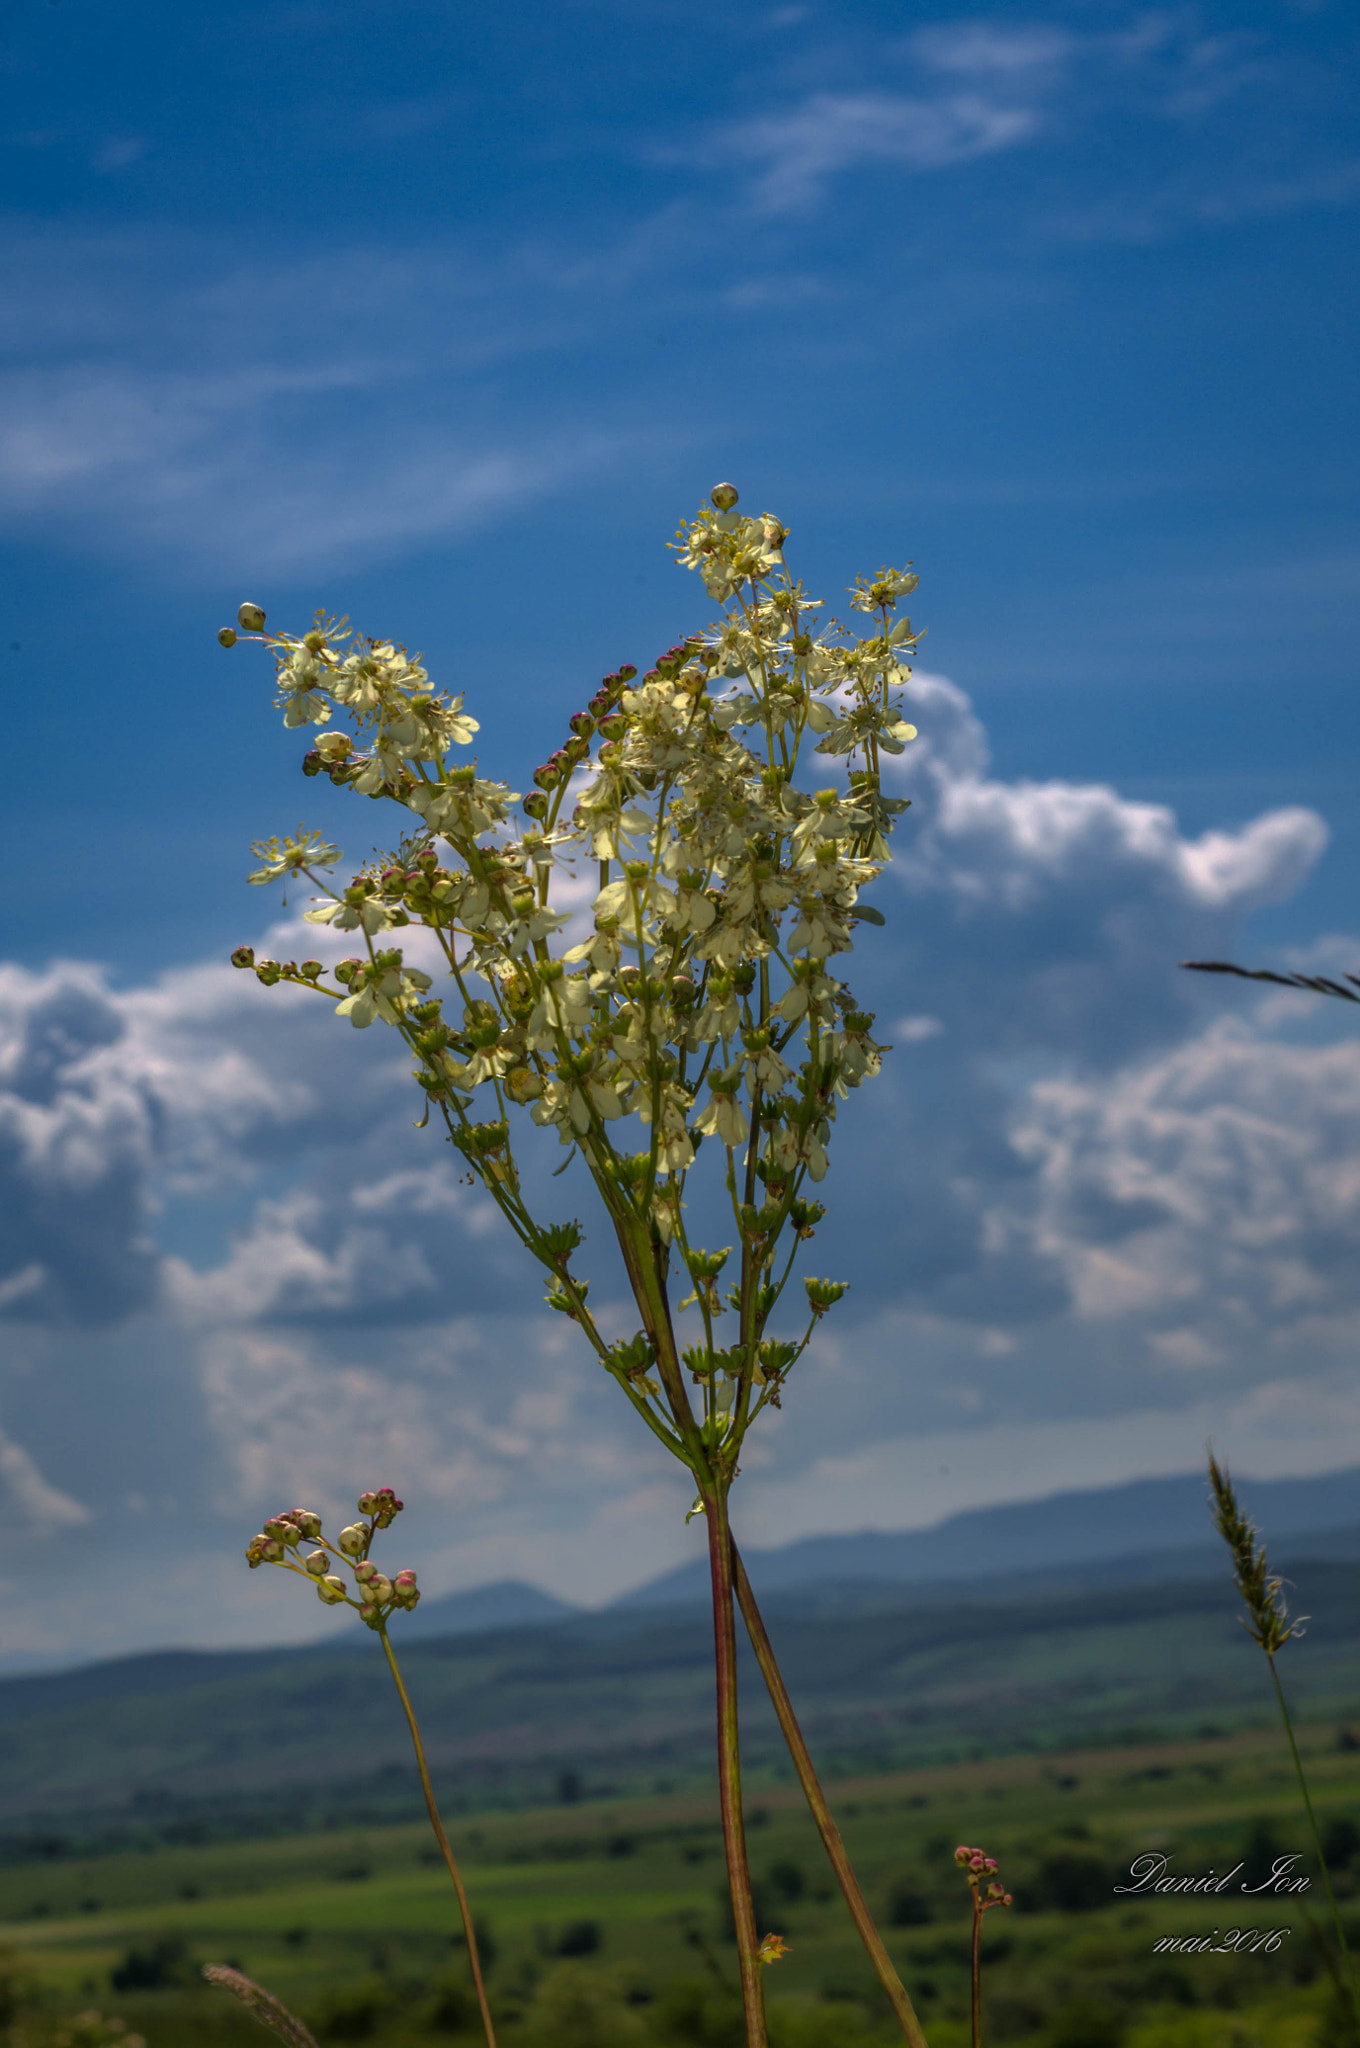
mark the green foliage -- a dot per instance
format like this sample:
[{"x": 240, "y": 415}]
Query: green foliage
[
  {"x": 164, "y": 1963},
  {"x": 1070, "y": 1881},
  {"x": 1051, "y": 1977},
  {"x": 353, "y": 2012}
]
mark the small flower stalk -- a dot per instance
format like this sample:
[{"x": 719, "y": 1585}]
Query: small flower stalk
[
  {"x": 698, "y": 1024},
  {"x": 375, "y": 1598},
  {"x": 987, "y": 1891},
  {"x": 1269, "y": 1623}
]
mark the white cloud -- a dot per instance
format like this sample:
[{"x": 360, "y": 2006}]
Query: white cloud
[
  {"x": 1214, "y": 1192},
  {"x": 979, "y": 49},
  {"x": 149, "y": 389},
  {"x": 29, "y": 1499},
  {"x": 799, "y": 150}
]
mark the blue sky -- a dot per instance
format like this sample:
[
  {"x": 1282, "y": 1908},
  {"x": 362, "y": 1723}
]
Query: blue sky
[{"x": 444, "y": 317}]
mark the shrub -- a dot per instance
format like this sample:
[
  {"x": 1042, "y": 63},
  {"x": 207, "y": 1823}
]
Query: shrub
[
  {"x": 165, "y": 1963},
  {"x": 1072, "y": 1881},
  {"x": 580, "y": 1938},
  {"x": 354, "y": 2013},
  {"x": 908, "y": 1905}
]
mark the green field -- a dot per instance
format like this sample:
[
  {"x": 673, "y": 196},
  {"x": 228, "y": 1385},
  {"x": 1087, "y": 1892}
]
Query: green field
[{"x": 605, "y": 1924}]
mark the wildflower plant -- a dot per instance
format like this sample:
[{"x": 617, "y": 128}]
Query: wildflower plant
[
  {"x": 987, "y": 1891},
  {"x": 376, "y": 1598},
  {"x": 697, "y": 1031}
]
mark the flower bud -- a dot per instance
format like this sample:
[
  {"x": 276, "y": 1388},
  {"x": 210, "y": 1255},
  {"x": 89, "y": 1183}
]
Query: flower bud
[
  {"x": 311, "y": 762},
  {"x": 226, "y": 636},
  {"x": 365, "y": 1571},
  {"x": 724, "y": 496},
  {"x": 318, "y": 1564},
  {"x": 627, "y": 672},
  {"x": 331, "y": 1590},
  {"x": 244, "y": 956},
  {"x": 352, "y": 1540},
  {"x": 250, "y": 618},
  {"x": 824, "y": 1294},
  {"x": 309, "y": 971}
]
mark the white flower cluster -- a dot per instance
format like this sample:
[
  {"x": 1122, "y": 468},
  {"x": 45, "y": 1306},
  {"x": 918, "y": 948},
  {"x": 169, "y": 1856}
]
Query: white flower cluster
[{"x": 701, "y": 1003}]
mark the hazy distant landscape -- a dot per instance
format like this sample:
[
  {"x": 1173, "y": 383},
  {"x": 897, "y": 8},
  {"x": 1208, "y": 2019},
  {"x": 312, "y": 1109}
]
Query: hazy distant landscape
[{"x": 894, "y": 1660}]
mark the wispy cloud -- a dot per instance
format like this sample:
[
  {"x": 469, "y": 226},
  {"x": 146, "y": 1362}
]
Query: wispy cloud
[
  {"x": 152, "y": 398},
  {"x": 797, "y": 152}
]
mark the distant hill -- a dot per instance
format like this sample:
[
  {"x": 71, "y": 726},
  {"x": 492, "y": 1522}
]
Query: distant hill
[
  {"x": 172, "y": 1743},
  {"x": 507, "y": 1603},
  {"x": 1082, "y": 1535}
]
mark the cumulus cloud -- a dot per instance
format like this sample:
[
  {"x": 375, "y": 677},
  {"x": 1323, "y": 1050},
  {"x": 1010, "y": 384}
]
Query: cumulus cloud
[
  {"x": 76, "y": 1141},
  {"x": 1045, "y": 917},
  {"x": 1071, "y": 1197},
  {"x": 30, "y": 1500},
  {"x": 1213, "y": 1195}
]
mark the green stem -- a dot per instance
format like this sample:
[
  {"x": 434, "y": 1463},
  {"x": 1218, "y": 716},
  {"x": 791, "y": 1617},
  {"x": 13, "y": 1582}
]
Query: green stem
[
  {"x": 729, "y": 1766},
  {"x": 977, "y": 1974},
  {"x": 821, "y": 1812},
  {"x": 437, "y": 1824},
  {"x": 1317, "y": 1839}
]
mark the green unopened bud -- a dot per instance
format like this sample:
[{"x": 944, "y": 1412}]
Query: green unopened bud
[
  {"x": 331, "y": 1590},
  {"x": 318, "y": 1564},
  {"x": 244, "y": 956},
  {"x": 724, "y": 496},
  {"x": 226, "y": 636},
  {"x": 250, "y": 618},
  {"x": 352, "y": 1541},
  {"x": 824, "y": 1294}
]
